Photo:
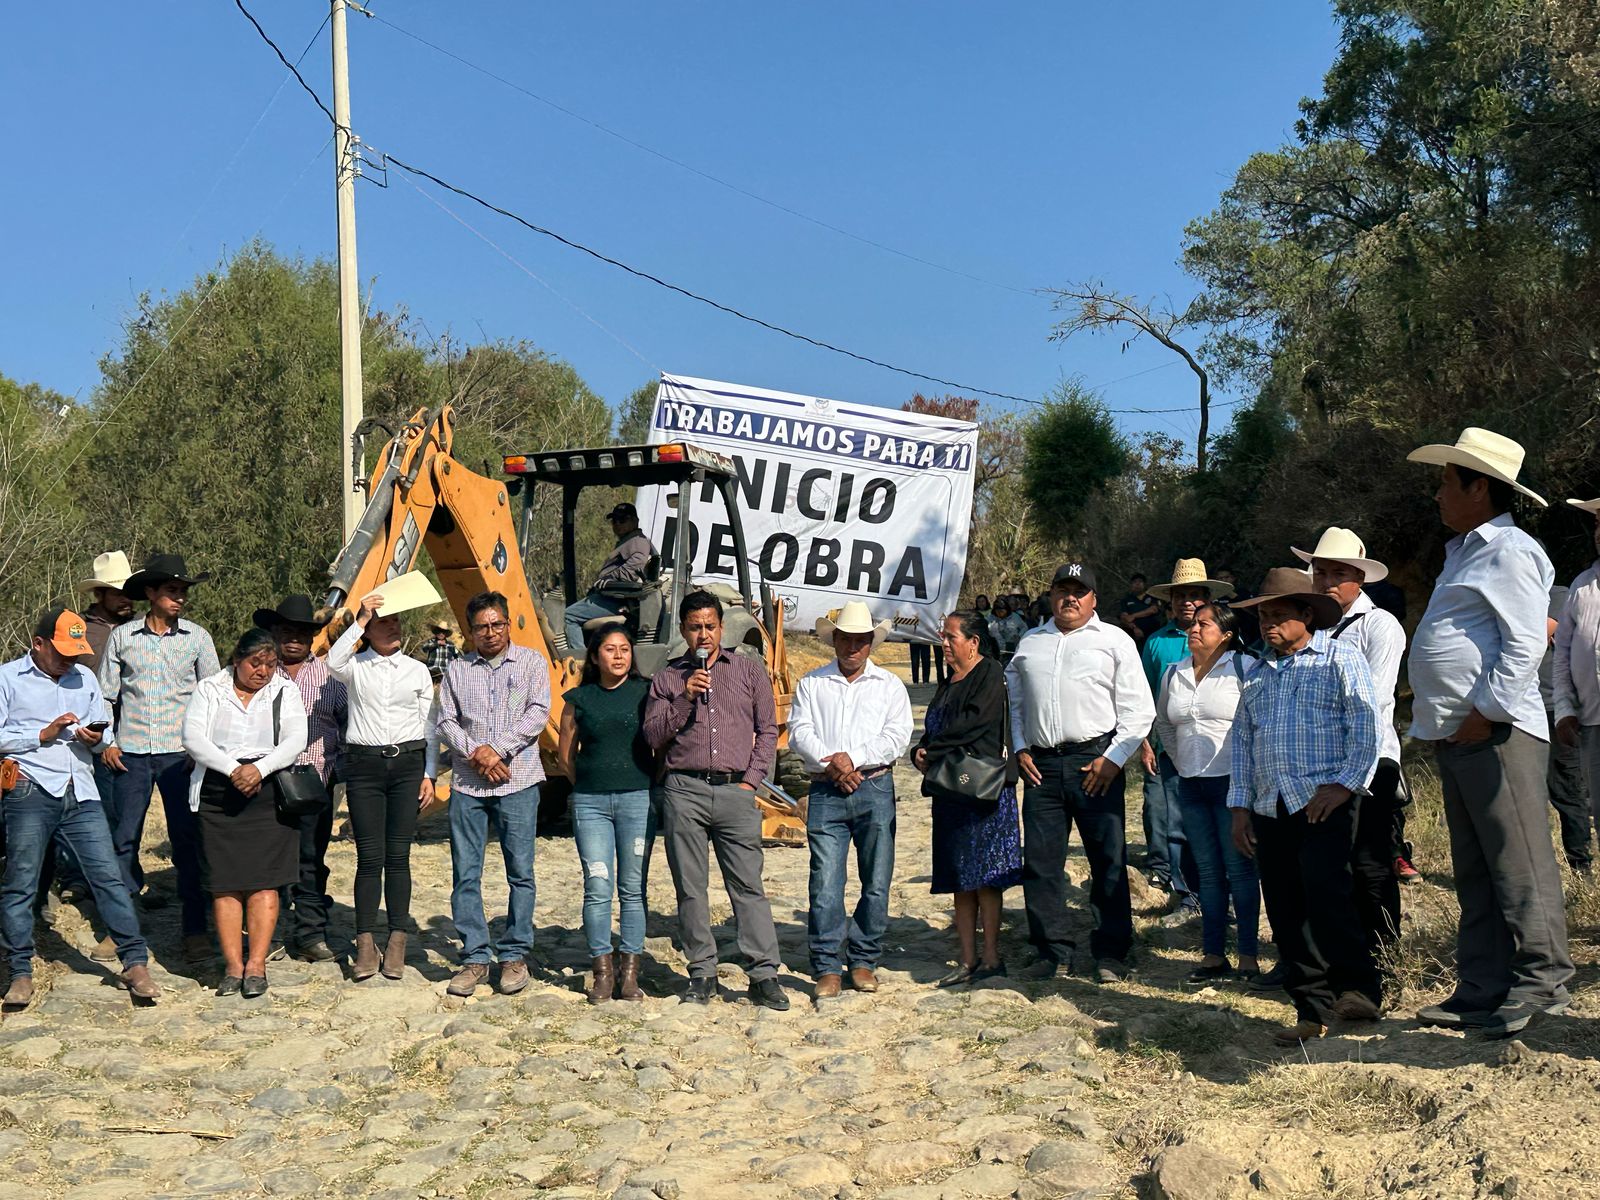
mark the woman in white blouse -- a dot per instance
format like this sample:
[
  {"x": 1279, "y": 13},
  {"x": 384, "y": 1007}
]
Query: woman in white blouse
[
  {"x": 1194, "y": 719},
  {"x": 386, "y": 785},
  {"x": 243, "y": 724}
]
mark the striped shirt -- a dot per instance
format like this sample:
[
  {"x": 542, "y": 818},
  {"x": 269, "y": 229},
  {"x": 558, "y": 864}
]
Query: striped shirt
[
  {"x": 1304, "y": 719},
  {"x": 734, "y": 728},
  {"x": 326, "y": 703},
  {"x": 148, "y": 678},
  {"x": 501, "y": 703}
]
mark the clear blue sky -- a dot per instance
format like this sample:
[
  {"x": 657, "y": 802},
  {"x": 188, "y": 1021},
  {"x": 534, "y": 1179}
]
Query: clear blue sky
[{"x": 1030, "y": 145}]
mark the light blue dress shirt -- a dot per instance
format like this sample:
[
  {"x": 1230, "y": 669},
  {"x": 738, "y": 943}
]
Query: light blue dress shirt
[
  {"x": 1483, "y": 636},
  {"x": 30, "y": 700},
  {"x": 1304, "y": 719}
]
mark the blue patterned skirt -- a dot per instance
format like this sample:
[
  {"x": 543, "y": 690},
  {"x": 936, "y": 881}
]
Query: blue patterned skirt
[{"x": 974, "y": 848}]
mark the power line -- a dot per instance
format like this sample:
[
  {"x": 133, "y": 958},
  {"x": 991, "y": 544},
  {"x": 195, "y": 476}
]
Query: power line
[
  {"x": 390, "y": 159},
  {"x": 694, "y": 170},
  {"x": 293, "y": 70}
]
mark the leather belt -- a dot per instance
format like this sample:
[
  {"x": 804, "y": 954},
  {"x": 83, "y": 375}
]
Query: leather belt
[
  {"x": 866, "y": 773},
  {"x": 1064, "y": 749},
  {"x": 390, "y": 751},
  {"x": 714, "y": 778}
]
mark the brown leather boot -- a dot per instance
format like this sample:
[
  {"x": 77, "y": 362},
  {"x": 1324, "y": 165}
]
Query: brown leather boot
[
  {"x": 601, "y": 985},
  {"x": 628, "y": 979},
  {"x": 394, "y": 955},
  {"x": 366, "y": 962}
]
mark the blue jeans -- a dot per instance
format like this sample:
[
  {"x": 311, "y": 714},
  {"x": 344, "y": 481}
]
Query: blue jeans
[
  {"x": 517, "y": 815},
  {"x": 834, "y": 821},
  {"x": 131, "y": 791},
  {"x": 33, "y": 818},
  {"x": 1222, "y": 870},
  {"x": 614, "y": 831},
  {"x": 1167, "y": 853},
  {"x": 587, "y": 609}
]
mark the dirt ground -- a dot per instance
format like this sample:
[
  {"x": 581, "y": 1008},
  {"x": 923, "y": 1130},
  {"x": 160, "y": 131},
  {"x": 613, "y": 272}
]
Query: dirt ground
[{"x": 1148, "y": 1088}]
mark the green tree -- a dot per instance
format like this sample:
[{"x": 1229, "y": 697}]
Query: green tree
[
  {"x": 42, "y": 549},
  {"x": 1073, "y": 452},
  {"x": 633, "y": 418}
]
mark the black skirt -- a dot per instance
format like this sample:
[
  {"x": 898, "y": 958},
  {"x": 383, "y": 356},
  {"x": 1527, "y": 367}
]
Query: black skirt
[{"x": 244, "y": 845}]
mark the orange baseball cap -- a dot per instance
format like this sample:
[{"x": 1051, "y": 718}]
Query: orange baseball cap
[{"x": 66, "y": 631}]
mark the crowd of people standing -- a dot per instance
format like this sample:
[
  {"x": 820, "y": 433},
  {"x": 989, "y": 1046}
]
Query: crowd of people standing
[{"x": 1264, "y": 724}]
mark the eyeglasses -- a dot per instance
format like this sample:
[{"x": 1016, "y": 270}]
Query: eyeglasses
[{"x": 491, "y": 627}]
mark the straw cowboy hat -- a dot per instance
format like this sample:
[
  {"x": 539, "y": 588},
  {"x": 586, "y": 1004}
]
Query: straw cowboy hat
[
  {"x": 1484, "y": 451},
  {"x": 1343, "y": 546},
  {"x": 1588, "y": 506},
  {"x": 1291, "y": 583},
  {"x": 111, "y": 570},
  {"x": 854, "y": 617},
  {"x": 1191, "y": 572}
]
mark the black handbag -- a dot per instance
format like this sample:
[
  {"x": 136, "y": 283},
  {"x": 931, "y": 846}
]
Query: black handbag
[
  {"x": 297, "y": 789},
  {"x": 974, "y": 779}
]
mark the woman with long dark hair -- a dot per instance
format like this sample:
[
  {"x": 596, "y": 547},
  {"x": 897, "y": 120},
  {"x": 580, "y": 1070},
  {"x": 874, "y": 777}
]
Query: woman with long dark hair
[
  {"x": 604, "y": 753},
  {"x": 1195, "y": 707},
  {"x": 243, "y": 724},
  {"x": 977, "y": 848}
]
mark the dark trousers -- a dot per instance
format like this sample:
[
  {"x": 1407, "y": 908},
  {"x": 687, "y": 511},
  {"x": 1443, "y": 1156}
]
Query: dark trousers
[
  {"x": 382, "y": 797},
  {"x": 697, "y": 817},
  {"x": 1512, "y": 942},
  {"x": 309, "y": 893},
  {"x": 927, "y": 663},
  {"x": 131, "y": 794},
  {"x": 1049, "y": 809},
  {"x": 1168, "y": 858},
  {"x": 1569, "y": 796},
  {"x": 1377, "y": 891},
  {"x": 1309, "y": 887}
]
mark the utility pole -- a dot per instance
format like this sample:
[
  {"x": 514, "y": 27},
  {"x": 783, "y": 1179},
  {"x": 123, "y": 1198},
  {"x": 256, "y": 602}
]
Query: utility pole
[{"x": 345, "y": 166}]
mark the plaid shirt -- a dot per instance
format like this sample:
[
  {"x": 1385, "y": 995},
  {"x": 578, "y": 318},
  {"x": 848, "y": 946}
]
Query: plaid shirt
[
  {"x": 326, "y": 703},
  {"x": 148, "y": 678},
  {"x": 436, "y": 656},
  {"x": 734, "y": 727},
  {"x": 501, "y": 704},
  {"x": 1304, "y": 720}
]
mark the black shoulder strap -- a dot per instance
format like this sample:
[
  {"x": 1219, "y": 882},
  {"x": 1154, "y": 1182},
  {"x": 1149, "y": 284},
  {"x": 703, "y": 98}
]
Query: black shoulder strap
[
  {"x": 1345, "y": 624},
  {"x": 277, "y": 704}
]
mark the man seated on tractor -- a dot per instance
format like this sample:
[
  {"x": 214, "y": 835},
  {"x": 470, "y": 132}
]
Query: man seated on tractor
[{"x": 625, "y": 566}]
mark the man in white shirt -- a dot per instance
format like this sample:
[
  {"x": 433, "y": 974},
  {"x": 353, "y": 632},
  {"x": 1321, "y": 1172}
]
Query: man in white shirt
[
  {"x": 1080, "y": 708},
  {"x": 849, "y": 722},
  {"x": 1339, "y": 568},
  {"x": 1576, "y": 671},
  {"x": 1474, "y": 671}
]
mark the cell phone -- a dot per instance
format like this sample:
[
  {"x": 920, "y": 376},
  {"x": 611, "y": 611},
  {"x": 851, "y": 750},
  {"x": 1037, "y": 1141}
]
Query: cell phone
[{"x": 98, "y": 726}]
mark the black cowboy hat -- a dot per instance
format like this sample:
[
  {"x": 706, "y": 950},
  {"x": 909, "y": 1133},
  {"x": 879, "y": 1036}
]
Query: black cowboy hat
[
  {"x": 159, "y": 569},
  {"x": 295, "y": 610}
]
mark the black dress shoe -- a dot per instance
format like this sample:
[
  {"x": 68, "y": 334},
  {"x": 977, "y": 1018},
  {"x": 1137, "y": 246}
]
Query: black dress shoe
[
  {"x": 1221, "y": 970},
  {"x": 230, "y": 985},
  {"x": 253, "y": 986},
  {"x": 1271, "y": 981},
  {"x": 768, "y": 994},
  {"x": 998, "y": 971},
  {"x": 702, "y": 989},
  {"x": 317, "y": 951}
]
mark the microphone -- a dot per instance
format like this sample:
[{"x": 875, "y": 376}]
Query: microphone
[{"x": 704, "y": 656}]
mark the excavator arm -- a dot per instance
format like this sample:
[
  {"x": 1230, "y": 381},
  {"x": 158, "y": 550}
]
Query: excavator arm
[{"x": 422, "y": 498}]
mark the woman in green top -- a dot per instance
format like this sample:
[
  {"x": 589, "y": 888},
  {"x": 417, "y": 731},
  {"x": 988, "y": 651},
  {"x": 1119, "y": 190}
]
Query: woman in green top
[{"x": 604, "y": 753}]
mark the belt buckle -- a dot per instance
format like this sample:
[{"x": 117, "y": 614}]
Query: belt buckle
[{"x": 389, "y": 751}]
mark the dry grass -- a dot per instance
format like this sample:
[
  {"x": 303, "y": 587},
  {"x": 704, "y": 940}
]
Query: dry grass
[{"x": 1352, "y": 1100}]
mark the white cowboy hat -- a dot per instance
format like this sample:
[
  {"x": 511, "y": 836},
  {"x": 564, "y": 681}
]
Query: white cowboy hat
[
  {"x": 111, "y": 570},
  {"x": 1588, "y": 506},
  {"x": 1191, "y": 572},
  {"x": 1341, "y": 545},
  {"x": 1484, "y": 451},
  {"x": 854, "y": 617}
]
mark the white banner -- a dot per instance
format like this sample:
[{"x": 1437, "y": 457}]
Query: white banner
[{"x": 839, "y": 501}]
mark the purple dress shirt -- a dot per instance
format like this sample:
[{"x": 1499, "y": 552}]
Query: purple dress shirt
[
  {"x": 501, "y": 704},
  {"x": 733, "y": 728}
]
